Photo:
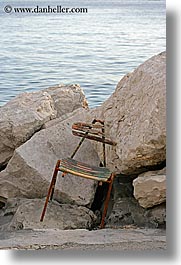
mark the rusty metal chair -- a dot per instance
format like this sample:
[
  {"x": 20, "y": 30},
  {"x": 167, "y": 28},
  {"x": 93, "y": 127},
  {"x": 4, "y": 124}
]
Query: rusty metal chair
[{"x": 92, "y": 131}]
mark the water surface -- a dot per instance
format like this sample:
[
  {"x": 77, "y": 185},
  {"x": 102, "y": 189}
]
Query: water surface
[{"x": 94, "y": 49}]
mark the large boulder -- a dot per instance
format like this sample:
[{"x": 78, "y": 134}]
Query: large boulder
[
  {"x": 20, "y": 118},
  {"x": 25, "y": 214},
  {"x": 30, "y": 170},
  {"x": 26, "y": 114},
  {"x": 150, "y": 188},
  {"x": 135, "y": 118}
]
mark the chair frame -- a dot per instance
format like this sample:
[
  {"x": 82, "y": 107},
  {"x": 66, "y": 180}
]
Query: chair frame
[{"x": 85, "y": 134}]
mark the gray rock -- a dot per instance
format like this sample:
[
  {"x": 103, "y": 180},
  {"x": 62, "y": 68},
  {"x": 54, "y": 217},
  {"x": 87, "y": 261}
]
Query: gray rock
[
  {"x": 127, "y": 212},
  {"x": 20, "y": 118},
  {"x": 30, "y": 170},
  {"x": 157, "y": 215},
  {"x": 67, "y": 98},
  {"x": 61, "y": 216},
  {"x": 150, "y": 188},
  {"x": 135, "y": 117},
  {"x": 26, "y": 114}
]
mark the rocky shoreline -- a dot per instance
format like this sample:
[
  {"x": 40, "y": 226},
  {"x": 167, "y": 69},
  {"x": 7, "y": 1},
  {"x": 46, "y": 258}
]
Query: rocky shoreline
[{"x": 35, "y": 131}]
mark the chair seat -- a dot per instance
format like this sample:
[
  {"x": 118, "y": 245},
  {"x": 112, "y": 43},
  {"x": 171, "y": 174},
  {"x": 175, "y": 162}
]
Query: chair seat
[{"x": 74, "y": 167}]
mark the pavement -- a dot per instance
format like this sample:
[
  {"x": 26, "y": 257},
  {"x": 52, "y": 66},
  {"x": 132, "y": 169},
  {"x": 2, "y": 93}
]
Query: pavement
[{"x": 81, "y": 239}]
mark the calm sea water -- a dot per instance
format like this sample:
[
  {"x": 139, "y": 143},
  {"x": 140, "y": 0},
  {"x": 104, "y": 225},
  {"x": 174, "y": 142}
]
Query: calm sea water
[{"x": 93, "y": 49}]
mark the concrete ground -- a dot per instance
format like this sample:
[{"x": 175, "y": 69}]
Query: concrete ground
[{"x": 81, "y": 239}]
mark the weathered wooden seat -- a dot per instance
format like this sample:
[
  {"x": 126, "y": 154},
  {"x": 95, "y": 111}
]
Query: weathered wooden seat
[
  {"x": 94, "y": 132},
  {"x": 69, "y": 165}
]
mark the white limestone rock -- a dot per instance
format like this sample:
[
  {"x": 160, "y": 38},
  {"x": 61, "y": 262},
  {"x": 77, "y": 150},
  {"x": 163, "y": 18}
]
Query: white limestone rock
[
  {"x": 135, "y": 118},
  {"x": 20, "y": 118},
  {"x": 150, "y": 188}
]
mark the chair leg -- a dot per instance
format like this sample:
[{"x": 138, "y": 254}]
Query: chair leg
[
  {"x": 54, "y": 182},
  {"x": 51, "y": 190},
  {"x": 106, "y": 203}
]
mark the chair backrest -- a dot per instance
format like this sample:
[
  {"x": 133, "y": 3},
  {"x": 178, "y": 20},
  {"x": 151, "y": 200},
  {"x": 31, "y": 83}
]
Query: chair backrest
[{"x": 91, "y": 131}]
